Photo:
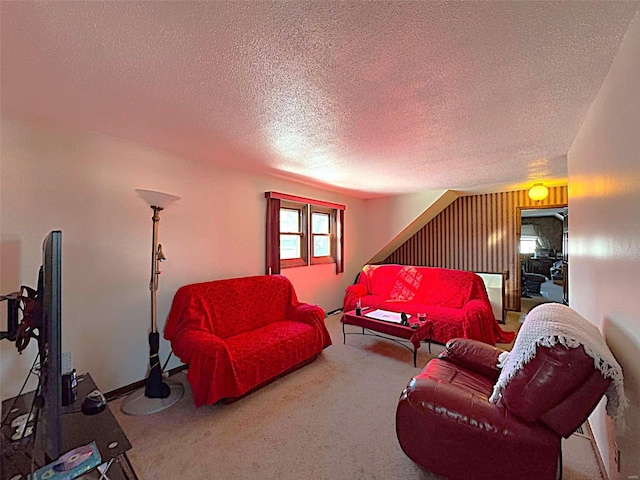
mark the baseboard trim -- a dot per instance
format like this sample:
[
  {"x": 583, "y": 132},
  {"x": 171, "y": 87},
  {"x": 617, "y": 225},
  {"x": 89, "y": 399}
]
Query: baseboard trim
[
  {"x": 333, "y": 312},
  {"x": 596, "y": 450},
  {"x": 127, "y": 389}
]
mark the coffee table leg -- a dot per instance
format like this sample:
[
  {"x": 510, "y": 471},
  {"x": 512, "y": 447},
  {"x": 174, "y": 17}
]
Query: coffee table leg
[
  {"x": 415, "y": 353},
  {"x": 344, "y": 336}
]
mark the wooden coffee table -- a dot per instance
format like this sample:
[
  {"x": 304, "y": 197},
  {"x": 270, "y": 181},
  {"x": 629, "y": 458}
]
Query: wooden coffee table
[{"x": 388, "y": 330}]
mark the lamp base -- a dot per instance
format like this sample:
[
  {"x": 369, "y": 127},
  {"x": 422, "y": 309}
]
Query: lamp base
[{"x": 137, "y": 403}]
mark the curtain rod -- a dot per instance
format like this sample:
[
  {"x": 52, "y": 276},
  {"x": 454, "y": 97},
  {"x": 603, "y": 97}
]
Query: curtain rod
[{"x": 294, "y": 198}]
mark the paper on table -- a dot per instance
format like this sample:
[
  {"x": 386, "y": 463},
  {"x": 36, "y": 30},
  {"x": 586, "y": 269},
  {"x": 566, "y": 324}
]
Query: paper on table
[{"x": 384, "y": 315}]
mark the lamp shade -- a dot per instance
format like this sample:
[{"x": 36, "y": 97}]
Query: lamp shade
[
  {"x": 157, "y": 199},
  {"x": 538, "y": 192}
]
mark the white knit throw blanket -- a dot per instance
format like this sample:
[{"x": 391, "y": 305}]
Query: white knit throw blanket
[{"x": 552, "y": 323}]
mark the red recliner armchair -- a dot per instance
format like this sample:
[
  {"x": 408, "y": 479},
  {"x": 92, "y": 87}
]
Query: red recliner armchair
[{"x": 446, "y": 423}]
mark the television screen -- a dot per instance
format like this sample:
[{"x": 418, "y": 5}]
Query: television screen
[{"x": 50, "y": 347}]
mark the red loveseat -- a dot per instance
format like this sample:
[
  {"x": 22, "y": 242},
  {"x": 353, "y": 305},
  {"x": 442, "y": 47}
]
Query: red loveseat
[
  {"x": 455, "y": 301},
  {"x": 239, "y": 334}
]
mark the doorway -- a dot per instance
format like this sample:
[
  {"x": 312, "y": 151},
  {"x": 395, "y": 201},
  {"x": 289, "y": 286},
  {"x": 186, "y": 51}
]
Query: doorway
[{"x": 543, "y": 256}]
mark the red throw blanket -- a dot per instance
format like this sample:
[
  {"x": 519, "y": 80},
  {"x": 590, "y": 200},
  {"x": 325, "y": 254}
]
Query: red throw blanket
[
  {"x": 239, "y": 334},
  {"x": 455, "y": 301}
]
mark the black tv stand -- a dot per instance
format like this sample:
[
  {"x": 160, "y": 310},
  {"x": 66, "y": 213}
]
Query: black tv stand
[{"x": 77, "y": 430}]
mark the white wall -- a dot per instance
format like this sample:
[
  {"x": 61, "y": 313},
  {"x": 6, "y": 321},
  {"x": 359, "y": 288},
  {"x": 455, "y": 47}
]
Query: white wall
[
  {"x": 390, "y": 217},
  {"x": 604, "y": 237},
  {"x": 83, "y": 184}
]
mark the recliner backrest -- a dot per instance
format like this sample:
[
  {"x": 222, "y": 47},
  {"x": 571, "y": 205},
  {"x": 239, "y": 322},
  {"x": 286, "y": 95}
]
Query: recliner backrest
[{"x": 559, "y": 387}]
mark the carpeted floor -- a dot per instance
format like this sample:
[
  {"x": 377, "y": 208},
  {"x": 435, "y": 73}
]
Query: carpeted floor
[
  {"x": 333, "y": 419},
  {"x": 549, "y": 292}
]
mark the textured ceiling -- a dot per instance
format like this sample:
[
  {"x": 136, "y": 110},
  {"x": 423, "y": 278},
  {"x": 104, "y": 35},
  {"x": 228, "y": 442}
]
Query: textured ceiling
[{"x": 372, "y": 98}]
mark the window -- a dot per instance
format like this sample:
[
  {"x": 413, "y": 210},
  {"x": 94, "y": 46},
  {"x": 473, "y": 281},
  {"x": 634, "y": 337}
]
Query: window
[
  {"x": 290, "y": 233},
  {"x": 528, "y": 244},
  {"x": 304, "y": 242},
  {"x": 301, "y": 232},
  {"x": 528, "y": 239},
  {"x": 293, "y": 243},
  {"x": 322, "y": 235}
]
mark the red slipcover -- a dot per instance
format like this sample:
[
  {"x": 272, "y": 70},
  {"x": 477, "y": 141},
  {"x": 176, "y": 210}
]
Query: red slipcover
[
  {"x": 241, "y": 333},
  {"x": 455, "y": 301}
]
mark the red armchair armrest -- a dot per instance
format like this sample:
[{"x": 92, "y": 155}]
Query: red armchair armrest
[{"x": 474, "y": 355}]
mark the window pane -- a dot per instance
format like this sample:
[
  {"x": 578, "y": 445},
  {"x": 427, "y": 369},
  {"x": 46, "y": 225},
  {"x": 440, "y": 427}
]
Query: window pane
[
  {"x": 289, "y": 220},
  {"x": 321, "y": 246},
  {"x": 528, "y": 244},
  {"x": 319, "y": 223},
  {"x": 289, "y": 246}
]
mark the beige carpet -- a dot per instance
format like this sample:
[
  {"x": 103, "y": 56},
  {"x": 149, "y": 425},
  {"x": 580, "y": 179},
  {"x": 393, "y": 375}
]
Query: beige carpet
[{"x": 333, "y": 419}]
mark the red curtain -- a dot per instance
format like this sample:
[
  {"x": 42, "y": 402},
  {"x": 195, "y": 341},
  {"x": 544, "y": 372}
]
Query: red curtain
[
  {"x": 340, "y": 242},
  {"x": 272, "y": 257}
]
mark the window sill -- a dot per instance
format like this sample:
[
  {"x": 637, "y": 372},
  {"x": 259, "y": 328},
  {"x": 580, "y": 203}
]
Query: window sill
[
  {"x": 322, "y": 260},
  {"x": 296, "y": 262}
]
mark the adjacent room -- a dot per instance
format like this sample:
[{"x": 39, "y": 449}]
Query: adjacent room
[
  {"x": 544, "y": 234},
  {"x": 320, "y": 240}
]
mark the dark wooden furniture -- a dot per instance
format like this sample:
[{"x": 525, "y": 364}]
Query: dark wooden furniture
[
  {"x": 541, "y": 266},
  {"x": 388, "y": 330},
  {"x": 77, "y": 430}
]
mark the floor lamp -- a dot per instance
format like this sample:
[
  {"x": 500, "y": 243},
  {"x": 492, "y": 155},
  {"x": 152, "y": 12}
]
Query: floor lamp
[{"x": 156, "y": 394}]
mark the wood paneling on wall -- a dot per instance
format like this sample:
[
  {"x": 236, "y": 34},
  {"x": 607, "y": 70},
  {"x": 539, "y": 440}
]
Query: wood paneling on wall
[{"x": 479, "y": 233}]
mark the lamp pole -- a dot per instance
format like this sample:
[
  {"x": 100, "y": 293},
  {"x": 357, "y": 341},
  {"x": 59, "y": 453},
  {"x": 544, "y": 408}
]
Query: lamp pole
[
  {"x": 154, "y": 387},
  {"x": 156, "y": 394}
]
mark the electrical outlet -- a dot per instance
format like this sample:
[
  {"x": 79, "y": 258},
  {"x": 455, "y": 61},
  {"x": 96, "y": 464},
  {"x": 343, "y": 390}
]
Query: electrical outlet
[
  {"x": 66, "y": 363},
  {"x": 616, "y": 456}
]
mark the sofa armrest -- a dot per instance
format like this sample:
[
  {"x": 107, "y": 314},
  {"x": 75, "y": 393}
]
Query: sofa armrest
[
  {"x": 478, "y": 307},
  {"x": 305, "y": 312},
  {"x": 211, "y": 368},
  {"x": 353, "y": 293},
  {"x": 358, "y": 289},
  {"x": 313, "y": 315},
  {"x": 480, "y": 323},
  {"x": 194, "y": 342},
  {"x": 474, "y": 355}
]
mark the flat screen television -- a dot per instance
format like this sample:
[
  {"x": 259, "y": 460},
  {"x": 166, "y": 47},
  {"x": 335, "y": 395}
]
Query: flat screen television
[
  {"x": 42, "y": 320},
  {"x": 48, "y": 431}
]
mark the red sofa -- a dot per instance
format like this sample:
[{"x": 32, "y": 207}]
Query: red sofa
[
  {"x": 454, "y": 300},
  {"x": 239, "y": 334}
]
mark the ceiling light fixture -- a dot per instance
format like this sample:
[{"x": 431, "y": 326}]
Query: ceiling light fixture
[{"x": 538, "y": 192}]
